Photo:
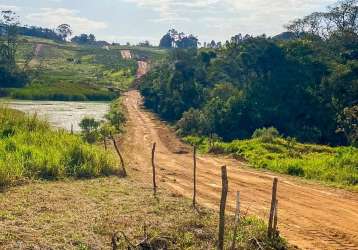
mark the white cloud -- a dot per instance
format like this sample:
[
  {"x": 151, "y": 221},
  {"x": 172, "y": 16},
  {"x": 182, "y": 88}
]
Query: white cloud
[
  {"x": 174, "y": 10},
  {"x": 52, "y": 17},
  {"x": 9, "y": 7},
  {"x": 246, "y": 16}
]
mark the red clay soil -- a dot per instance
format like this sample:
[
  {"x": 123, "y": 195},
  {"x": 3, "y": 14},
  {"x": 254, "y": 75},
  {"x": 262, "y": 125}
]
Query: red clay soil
[{"x": 311, "y": 216}]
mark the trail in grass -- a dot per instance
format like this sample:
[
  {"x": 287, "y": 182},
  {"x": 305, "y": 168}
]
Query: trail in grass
[{"x": 310, "y": 216}]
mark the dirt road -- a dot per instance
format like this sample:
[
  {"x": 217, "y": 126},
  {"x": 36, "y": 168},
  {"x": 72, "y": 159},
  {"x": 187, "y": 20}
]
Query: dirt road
[
  {"x": 310, "y": 216},
  {"x": 36, "y": 54}
]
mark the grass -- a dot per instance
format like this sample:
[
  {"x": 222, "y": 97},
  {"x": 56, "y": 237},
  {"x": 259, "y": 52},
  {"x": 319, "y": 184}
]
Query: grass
[
  {"x": 334, "y": 165},
  {"x": 30, "y": 149},
  {"x": 63, "y": 71},
  {"x": 84, "y": 214},
  {"x": 62, "y": 92}
]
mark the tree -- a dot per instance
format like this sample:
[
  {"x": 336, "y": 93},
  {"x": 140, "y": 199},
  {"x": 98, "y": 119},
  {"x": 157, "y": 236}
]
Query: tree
[
  {"x": 10, "y": 75},
  {"x": 166, "y": 41},
  {"x": 64, "y": 30},
  {"x": 89, "y": 128},
  {"x": 9, "y": 22},
  {"x": 348, "y": 124}
]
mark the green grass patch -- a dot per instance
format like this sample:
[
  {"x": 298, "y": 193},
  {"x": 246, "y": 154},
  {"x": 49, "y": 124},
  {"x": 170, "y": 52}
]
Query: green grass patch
[
  {"x": 62, "y": 92},
  {"x": 334, "y": 165},
  {"x": 63, "y": 71},
  {"x": 30, "y": 149}
]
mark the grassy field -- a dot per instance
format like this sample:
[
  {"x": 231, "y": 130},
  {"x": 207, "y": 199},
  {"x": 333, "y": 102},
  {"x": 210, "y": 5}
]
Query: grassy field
[
  {"x": 65, "y": 71},
  {"x": 30, "y": 149},
  {"x": 334, "y": 165},
  {"x": 84, "y": 214}
]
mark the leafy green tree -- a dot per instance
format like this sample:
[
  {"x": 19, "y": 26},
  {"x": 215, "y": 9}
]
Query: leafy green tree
[
  {"x": 89, "y": 128},
  {"x": 348, "y": 124},
  {"x": 166, "y": 41},
  {"x": 64, "y": 30}
]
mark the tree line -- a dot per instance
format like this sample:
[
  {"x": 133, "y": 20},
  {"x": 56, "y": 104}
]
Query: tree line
[
  {"x": 305, "y": 85},
  {"x": 175, "y": 39}
]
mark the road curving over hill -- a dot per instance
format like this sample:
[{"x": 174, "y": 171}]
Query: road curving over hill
[{"x": 310, "y": 216}]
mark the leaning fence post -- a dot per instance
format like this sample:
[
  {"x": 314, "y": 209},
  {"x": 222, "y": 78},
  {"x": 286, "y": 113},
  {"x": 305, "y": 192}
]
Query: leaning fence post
[
  {"x": 237, "y": 221},
  {"x": 273, "y": 205},
  {"x": 120, "y": 156},
  {"x": 153, "y": 168},
  {"x": 194, "y": 194},
  {"x": 222, "y": 207}
]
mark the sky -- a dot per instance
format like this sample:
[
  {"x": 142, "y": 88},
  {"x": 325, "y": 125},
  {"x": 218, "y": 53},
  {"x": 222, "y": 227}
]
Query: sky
[{"x": 138, "y": 20}]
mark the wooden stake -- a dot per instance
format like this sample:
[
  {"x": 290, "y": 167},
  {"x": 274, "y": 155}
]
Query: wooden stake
[
  {"x": 153, "y": 168},
  {"x": 237, "y": 220},
  {"x": 273, "y": 205},
  {"x": 120, "y": 156},
  {"x": 105, "y": 143},
  {"x": 72, "y": 129},
  {"x": 224, "y": 191},
  {"x": 275, "y": 219},
  {"x": 194, "y": 195}
]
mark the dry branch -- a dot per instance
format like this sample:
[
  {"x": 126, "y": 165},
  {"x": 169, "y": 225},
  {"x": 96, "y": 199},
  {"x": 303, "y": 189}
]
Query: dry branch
[
  {"x": 194, "y": 194},
  {"x": 273, "y": 205},
  {"x": 224, "y": 191},
  {"x": 153, "y": 168}
]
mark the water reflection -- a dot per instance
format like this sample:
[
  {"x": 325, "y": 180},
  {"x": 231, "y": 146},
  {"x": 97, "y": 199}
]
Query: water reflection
[{"x": 62, "y": 114}]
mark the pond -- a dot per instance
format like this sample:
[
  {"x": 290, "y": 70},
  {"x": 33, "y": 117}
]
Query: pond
[{"x": 62, "y": 114}]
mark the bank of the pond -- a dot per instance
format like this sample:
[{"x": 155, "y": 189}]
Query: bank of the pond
[{"x": 31, "y": 149}]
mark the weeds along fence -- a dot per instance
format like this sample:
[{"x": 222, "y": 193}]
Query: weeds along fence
[{"x": 272, "y": 229}]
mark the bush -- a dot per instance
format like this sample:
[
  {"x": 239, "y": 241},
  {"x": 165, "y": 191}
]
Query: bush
[
  {"x": 295, "y": 170},
  {"x": 266, "y": 134}
]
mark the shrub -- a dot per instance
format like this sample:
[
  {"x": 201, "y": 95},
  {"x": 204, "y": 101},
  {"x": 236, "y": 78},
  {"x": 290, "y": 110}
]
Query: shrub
[
  {"x": 295, "y": 170},
  {"x": 266, "y": 134}
]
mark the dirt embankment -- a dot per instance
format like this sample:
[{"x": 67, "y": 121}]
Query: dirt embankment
[
  {"x": 143, "y": 68},
  {"x": 126, "y": 54},
  {"x": 310, "y": 216}
]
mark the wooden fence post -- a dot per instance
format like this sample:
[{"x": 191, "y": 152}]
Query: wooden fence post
[
  {"x": 194, "y": 194},
  {"x": 237, "y": 221},
  {"x": 224, "y": 191},
  {"x": 273, "y": 205},
  {"x": 120, "y": 156},
  {"x": 153, "y": 168},
  {"x": 72, "y": 129},
  {"x": 275, "y": 219}
]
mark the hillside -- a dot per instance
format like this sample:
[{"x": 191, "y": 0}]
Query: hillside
[{"x": 67, "y": 71}]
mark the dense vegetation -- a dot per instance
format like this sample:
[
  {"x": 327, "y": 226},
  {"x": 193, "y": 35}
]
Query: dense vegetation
[
  {"x": 268, "y": 150},
  {"x": 10, "y": 74},
  {"x": 306, "y": 87},
  {"x": 30, "y": 149}
]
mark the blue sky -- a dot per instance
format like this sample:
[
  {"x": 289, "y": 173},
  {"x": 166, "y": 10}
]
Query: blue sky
[{"x": 139, "y": 20}]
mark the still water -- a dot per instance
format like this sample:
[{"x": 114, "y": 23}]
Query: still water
[{"x": 62, "y": 114}]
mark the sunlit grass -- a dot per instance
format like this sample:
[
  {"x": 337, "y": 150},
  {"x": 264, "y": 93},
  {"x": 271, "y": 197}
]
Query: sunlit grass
[
  {"x": 30, "y": 149},
  {"x": 335, "y": 165}
]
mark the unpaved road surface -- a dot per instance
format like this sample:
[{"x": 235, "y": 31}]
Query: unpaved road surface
[
  {"x": 310, "y": 216},
  {"x": 37, "y": 53}
]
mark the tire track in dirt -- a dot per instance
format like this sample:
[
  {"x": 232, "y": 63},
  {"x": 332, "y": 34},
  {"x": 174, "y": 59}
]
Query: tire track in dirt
[{"x": 310, "y": 216}]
